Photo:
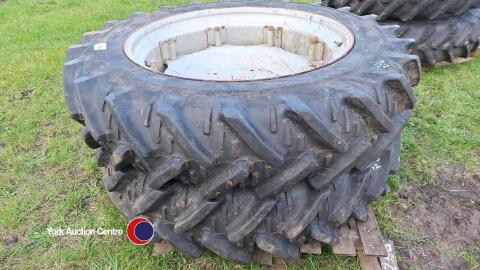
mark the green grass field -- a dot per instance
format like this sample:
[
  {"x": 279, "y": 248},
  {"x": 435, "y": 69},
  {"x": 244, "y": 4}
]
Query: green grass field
[{"x": 48, "y": 177}]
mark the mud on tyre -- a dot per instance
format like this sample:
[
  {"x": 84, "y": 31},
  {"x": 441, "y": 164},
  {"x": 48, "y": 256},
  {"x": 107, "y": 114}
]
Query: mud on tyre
[{"x": 251, "y": 164}]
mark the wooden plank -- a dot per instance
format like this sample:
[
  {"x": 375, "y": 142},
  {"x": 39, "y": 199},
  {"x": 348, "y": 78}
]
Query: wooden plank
[
  {"x": 368, "y": 262},
  {"x": 312, "y": 247},
  {"x": 161, "y": 248},
  {"x": 390, "y": 262},
  {"x": 278, "y": 264},
  {"x": 262, "y": 257},
  {"x": 458, "y": 60},
  {"x": 354, "y": 234},
  {"x": 370, "y": 236},
  {"x": 345, "y": 245}
]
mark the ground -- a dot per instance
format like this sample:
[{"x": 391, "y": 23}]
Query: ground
[
  {"x": 444, "y": 219},
  {"x": 48, "y": 177}
]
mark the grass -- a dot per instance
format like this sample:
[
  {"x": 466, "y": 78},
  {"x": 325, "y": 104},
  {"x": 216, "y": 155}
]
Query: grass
[{"x": 48, "y": 177}]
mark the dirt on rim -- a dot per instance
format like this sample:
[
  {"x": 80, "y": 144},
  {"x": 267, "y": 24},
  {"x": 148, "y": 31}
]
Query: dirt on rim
[{"x": 442, "y": 221}]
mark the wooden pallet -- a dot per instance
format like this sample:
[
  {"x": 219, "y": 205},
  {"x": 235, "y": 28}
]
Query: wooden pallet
[
  {"x": 356, "y": 238},
  {"x": 364, "y": 239},
  {"x": 458, "y": 60}
]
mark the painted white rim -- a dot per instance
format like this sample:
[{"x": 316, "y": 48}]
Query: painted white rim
[{"x": 239, "y": 44}]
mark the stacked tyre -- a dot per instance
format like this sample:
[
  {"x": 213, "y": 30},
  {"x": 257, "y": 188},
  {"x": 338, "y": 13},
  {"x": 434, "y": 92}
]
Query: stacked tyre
[
  {"x": 244, "y": 167},
  {"x": 445, "y": 31}
]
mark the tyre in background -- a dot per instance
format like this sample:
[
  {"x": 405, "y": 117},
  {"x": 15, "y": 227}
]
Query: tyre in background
[
  {"x": 407, "y": 10},
  {"x": 446, "y": 31},
  {"x": 450, "y": 39}
]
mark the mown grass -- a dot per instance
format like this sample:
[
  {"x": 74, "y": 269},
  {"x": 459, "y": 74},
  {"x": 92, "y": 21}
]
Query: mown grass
[{"x": 48, "y": 177}]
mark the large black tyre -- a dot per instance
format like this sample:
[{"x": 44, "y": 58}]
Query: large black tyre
[
  {"x": 237, "y": 167},
  {"x": 446, "y": 39},
  {"x": 406, "y": 10}
]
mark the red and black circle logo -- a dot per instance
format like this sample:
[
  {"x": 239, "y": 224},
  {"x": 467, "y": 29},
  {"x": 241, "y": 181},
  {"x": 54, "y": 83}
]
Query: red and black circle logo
[{"x": 140, "y": 231}]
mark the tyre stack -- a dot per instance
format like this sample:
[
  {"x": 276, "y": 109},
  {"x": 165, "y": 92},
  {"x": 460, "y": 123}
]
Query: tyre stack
[
  {"x": 445, "y": 31},
  {"x": 244, "y": 168}
]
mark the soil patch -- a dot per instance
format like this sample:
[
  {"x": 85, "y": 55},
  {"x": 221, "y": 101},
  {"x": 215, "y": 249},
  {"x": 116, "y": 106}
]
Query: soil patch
[
  {"x": 10, "y": 240},
  {"x": 444, "y": 220},
  {"x": 24, "y": 93}
]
